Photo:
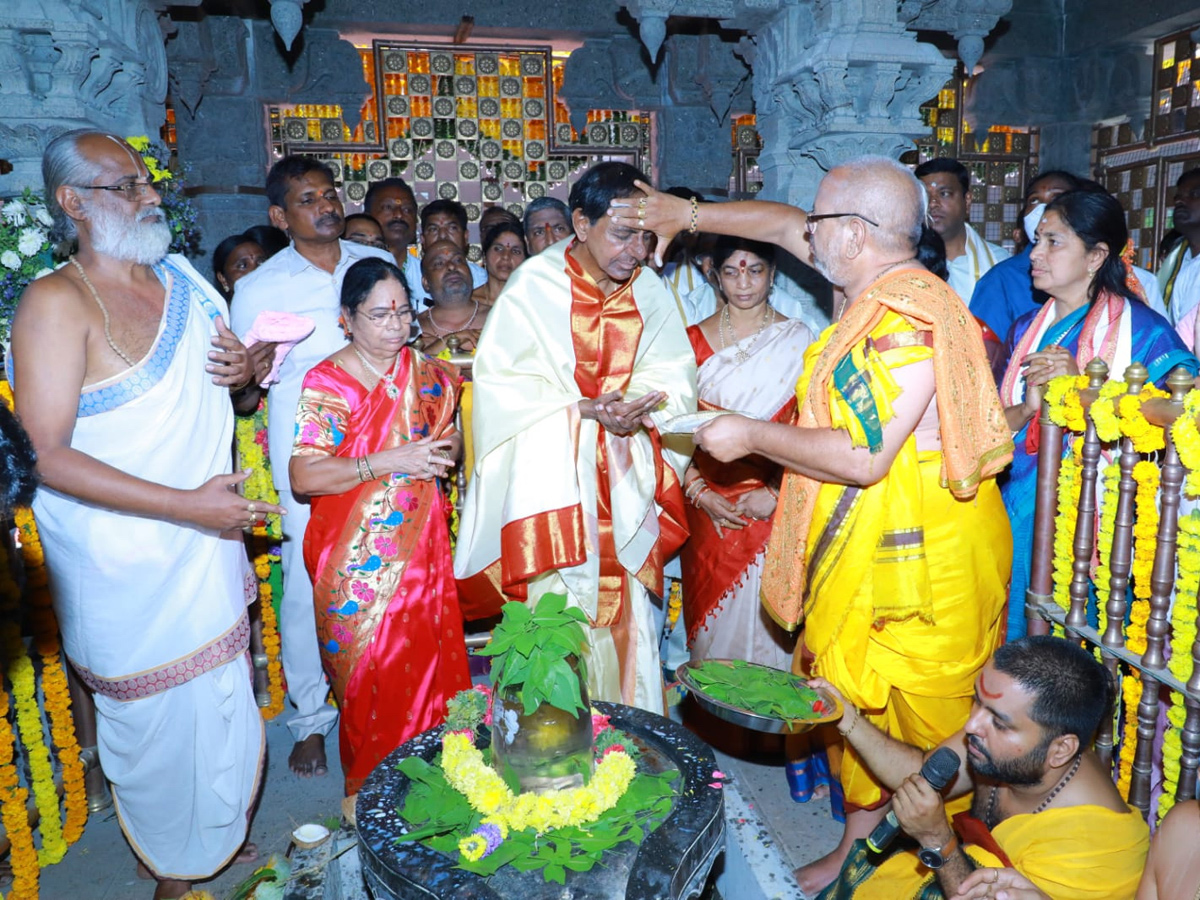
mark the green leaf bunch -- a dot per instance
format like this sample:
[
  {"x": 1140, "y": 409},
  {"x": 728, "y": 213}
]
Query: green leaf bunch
[
  {"x": 530, "y": 649},
  {"x": 758, "y": 689},
  {"x": 441, "y": 816}
]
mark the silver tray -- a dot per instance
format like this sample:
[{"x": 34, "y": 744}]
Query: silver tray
[{"x": 748, "y": 719}]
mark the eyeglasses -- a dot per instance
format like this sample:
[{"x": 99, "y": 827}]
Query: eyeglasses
[
  {"x": 399, "y": 317},
  {"x": 131, "y": 190},
  {"x": 814, "y": 218}
]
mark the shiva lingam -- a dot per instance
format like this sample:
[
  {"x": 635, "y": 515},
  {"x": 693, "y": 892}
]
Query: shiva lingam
[{"x": 541, "y": 717}]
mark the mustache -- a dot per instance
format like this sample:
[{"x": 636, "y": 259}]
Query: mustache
[
  {"x": 152, "y": 214},
  {"x": 330, "y": 219}
]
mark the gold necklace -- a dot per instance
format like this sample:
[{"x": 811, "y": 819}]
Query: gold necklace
[
  {"x": 96, "y": 296},
  {"x": 743, "y": 353},
  {"x": 389, "y": 379}
]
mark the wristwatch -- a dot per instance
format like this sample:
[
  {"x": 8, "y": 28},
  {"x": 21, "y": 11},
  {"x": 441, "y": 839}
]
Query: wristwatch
[{"x": 935, "y": 857}]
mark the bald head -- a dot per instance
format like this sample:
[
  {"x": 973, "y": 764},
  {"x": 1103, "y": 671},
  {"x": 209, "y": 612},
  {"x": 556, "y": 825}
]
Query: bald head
[
  {"x": 886, "y": 192},
  {"x": 81, "y": 157}
]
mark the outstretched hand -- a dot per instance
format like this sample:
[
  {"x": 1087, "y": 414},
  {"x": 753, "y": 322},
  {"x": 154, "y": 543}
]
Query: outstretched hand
[{"x": 664, "y": 214}]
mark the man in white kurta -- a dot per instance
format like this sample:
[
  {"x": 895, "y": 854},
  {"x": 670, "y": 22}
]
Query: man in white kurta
[
  {"x": 138, "y": 511},
  {"x": 574, "y": 490}
]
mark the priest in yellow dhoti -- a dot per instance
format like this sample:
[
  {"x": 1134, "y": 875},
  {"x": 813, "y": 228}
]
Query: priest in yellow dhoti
[
  {"x": 574, "y": 490},
  {"x": 889, "y": 540},
  {"x": 1044, "y": 803}
]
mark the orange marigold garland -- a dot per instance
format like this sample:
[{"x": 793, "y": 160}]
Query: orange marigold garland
[{"x": 251, "y": 437}]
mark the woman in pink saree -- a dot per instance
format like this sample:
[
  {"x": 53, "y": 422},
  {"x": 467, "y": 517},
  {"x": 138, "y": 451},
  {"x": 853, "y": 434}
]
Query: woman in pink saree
[{"x": 374, "y": 436}]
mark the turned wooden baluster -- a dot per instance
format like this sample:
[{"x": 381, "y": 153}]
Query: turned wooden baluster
[
  {"x": 1085, "y": 519},
  {"x": 1162, "y": 579},
  {"x": 1189, "y": 759},
  {"x": 1119, "y": 564},
  {"x": 1041, "y": 563}
]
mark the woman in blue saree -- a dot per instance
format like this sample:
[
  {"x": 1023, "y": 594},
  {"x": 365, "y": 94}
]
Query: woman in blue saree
[{"x": 1095, "y": 310}]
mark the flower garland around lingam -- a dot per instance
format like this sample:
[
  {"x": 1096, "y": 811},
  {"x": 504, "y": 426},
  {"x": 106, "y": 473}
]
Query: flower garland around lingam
[
  {"x": 59, "y": 828},
  {"x": 463, "y": 806},
  {"x": 250, "y": 434}
]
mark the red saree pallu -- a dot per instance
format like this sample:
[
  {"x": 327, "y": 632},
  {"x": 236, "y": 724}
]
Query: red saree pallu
[{"x": 388, "y": 620}]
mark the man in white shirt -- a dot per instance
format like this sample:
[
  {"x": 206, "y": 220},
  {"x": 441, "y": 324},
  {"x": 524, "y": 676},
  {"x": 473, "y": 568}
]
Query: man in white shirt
[
  {"x": 968, "y": 256},
  {"x": 393, "y": 205},
  {"x": 305, "y": 279},
  {"x": 1179, "y": 274}
]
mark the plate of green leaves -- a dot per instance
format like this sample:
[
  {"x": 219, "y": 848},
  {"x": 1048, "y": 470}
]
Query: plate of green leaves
[{"x": 757, "y": 697}]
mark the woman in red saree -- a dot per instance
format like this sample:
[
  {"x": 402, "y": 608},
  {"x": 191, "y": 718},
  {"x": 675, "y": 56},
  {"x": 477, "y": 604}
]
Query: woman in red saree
[
  {"x": 374, "y": 434},
  {"x": 750, "y": 357}
]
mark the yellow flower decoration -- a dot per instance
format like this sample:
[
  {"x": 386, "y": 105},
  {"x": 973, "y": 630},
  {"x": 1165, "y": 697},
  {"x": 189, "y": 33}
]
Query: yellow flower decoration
[
  {"x": 1064, "y": 529},
  {"x": 1104, "y": 411},
  {"x": 158, "y": 170},
  {"x": 1062, "y": 395},
  {"x": 1186, "y": 434},
  {"x": 487, "y": 793},
  {"x": 1104, "y": 541},
  {"x": 1146, "y": 438}
]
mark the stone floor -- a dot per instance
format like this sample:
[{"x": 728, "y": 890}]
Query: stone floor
[{"x": 773, "y": 833}]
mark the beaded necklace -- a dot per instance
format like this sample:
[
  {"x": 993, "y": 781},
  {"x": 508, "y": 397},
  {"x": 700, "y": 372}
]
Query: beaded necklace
[{"x": 989, "y": 819}]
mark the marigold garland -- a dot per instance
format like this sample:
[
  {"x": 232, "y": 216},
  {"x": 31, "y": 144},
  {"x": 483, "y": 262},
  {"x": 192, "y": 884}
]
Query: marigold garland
[
  {"x": 23, "y": 855},
  {"x": 1131, "y": 695},
  {"x": 1064, "y": 529},
  {"x": 1146, "y": 438},
  {"x": 1185, "y": 432},
  {"x": 1145, "y": 538},
  {"x": 487, "y": 793},
  {"x": 1183, "y": 635},
  {"x": 254, "y": 454},
  {"x": 1104, "y": 411},
  {"x": 1062, "y": 396},
  {"x": 1104, "y": 541}
]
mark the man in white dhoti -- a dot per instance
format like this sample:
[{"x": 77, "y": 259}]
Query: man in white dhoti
[
  {"x": 123, "y": 373},
  {"x": 574, "y": 490}
]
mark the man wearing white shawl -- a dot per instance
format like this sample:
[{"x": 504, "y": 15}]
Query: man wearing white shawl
[
  {"x": 574, "y": 491},
  {"x": 123, "y": 373}
]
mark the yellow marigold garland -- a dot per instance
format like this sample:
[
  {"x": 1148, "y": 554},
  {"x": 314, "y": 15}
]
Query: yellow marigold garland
[
  {"x": 1104, "y": 411},
  {"x": 1183, "y": 635},
  {"x": 1146, "y": 438},
  {"x": 251, "y": 438},
  {"x": 1104, "y": 540},
  {"x": 23, "y": 856},
  {"x": 1145, "y": 536},
  {"x": 1062, "y": 395},
  {"x": 1131, "y": 694},
  {"x": 1186, "y": 434},
  {"x": 1064, "y": 529},
  {"x": 487, "y": 793}
]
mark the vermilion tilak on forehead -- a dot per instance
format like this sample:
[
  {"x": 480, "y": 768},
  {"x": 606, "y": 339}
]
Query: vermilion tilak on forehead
[
  {"x": 742, "y": 264},
  {"x": 984, "y": 692}
]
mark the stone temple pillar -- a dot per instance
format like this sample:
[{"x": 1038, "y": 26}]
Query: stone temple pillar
[
  {"x": 68, "y": 64},
  {"x": 834, "y": 79}
]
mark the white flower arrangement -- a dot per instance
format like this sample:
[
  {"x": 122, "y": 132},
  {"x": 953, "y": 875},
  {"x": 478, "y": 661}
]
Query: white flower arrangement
[{"x": 25, "y": 250}]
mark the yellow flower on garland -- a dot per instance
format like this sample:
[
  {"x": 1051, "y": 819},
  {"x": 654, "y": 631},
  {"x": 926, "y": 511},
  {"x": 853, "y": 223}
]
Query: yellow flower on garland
[
  {"x": 1064, "y": 529},
  {"x": 1131, "y": 692},
  {"x": 23, "y": 856},
  {"x": 1062, "y": 395},
  {"x": 487, "y": 793},
  {"x": 1104, "y": 411},
  {"x": 1145, "y": 537},
  {"x": 1104, "y": 541},
  {"x": 158, "y": 170},
  {"x": 1146, "y": 438},
  {"x": 1186, "y": 434}
]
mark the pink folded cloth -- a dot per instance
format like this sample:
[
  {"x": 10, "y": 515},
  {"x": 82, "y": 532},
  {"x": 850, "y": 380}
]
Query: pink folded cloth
[{"x": 283, "y": 329}]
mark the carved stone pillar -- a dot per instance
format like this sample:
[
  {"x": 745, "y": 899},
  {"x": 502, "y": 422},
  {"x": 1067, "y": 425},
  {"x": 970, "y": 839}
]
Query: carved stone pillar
[
  {"x": 835, "y": 79},
  {"x": 76, "y": 63}
]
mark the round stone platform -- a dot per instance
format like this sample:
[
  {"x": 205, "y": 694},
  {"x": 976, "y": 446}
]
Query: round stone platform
[{"x": 672, "y": 863}]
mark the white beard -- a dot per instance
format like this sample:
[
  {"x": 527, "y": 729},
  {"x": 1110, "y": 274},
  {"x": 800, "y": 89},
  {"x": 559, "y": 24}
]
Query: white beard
[{"x": 143, "y": 238}]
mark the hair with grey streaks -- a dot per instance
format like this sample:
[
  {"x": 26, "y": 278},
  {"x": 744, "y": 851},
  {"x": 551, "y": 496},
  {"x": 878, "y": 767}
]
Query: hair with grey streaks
[
  {"x": 888, "y": 192},
  {"x": 63, "y": 163}
]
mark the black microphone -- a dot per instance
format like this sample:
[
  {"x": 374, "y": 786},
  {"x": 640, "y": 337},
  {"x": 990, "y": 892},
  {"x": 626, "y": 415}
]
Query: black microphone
[{"x": 939, "y": 770}]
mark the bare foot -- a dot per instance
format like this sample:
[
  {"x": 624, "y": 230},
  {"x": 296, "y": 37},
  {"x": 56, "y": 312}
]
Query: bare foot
[
  {"x": 308, "y": 757},
  {"x": 818, "y": 875},
  {"x": 821, "y": 792}
]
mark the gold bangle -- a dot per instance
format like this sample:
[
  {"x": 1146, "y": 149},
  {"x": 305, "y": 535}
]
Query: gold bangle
[
  {"x": 370, "y": 471},
  {"x": 695, "y": 218}
]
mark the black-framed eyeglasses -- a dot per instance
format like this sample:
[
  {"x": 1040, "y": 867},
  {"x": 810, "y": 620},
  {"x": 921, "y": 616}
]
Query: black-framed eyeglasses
[
  {"x": 814, "y": 218},
  {"x": 131, "y": 190},
  {"x": 398, "y": 317}
]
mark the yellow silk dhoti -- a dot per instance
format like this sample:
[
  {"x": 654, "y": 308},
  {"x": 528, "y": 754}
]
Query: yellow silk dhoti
[
  {"x": 1071, "y": 853},
  {"x": 913, "y": 679}
]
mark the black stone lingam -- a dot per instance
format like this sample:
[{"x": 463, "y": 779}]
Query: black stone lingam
[{"x": 672, "y": 863}]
